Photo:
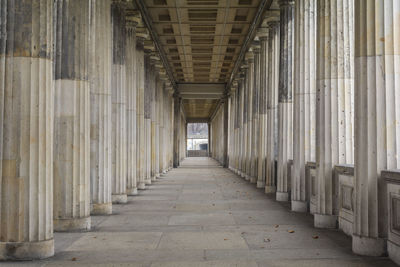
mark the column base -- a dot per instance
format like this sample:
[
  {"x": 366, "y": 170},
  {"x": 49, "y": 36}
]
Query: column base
[
  {"x": 26, "y": 250},
  {"x": 260, "y": 184},
  {"x": 147, "y": 182},
  {"x": 270, "y": 189},
  {"x": 246, "y": 177},
  {"x": 154, "y": 178},
  {"x": 72, "y": 224},
  {"x": 164, "y": 172},
  {"x": 141, "y": 186},
  {"x": 253, "y": 180},
  {"x": 299, "y": 206},
  {"x": 119, "y": 198},
  {"x": 282, "y": 196},
  {"x": 394, "y": 252},
  {"x": 368, "y": 246},
  {"x": 325, "y": 221},
  {"x": 158, "y": 175},
  {"x": 101, "y": 209},
  {"x": 131, "y": 191}
]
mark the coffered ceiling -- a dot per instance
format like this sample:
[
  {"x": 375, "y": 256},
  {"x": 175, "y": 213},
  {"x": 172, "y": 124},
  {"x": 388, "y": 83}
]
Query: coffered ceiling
[{"x": 202, "y": 38}]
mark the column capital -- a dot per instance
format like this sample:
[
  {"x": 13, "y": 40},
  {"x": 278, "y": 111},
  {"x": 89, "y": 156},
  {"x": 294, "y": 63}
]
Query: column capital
[
  {"x": 133, "y": 18},
  {"x": 285, "y": 3},
  {"x": 263, "y": 33},
  {"x": 256, "y": 47}
]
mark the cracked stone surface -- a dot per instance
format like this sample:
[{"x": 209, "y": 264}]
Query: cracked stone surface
[{"x": 203, "y": 215}]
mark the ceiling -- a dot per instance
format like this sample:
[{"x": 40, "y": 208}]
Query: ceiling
[
  {"x": 202, "y": 38},
  {"x": 202, "y": 41}
]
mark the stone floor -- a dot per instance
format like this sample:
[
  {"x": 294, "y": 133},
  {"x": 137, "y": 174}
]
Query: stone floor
[{"x": 203, "y": 215}]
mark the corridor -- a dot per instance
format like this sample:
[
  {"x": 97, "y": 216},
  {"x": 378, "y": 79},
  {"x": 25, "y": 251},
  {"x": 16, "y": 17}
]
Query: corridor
[{"x": 201, "y": 214}]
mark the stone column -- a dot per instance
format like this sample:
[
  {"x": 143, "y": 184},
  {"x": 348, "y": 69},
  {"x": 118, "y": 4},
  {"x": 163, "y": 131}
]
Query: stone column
[
  {"x": 132, "y": 20},
  {"x": 272, "y": 103},
  {"x": 100, "y": 107},
  {"x": 140, "y": 128},
  {"x": 148, "y": 87},
  {"x": 119, "y": 97},
  {"x": 26, "y": 130},
  {"x": 334, "y": 117},
  {"x": 210, "y": 139},
  {"x": 72, "y": 117},
  {"x": 253, "y": 119},
  {"x": 263, "y": 122},
  {"x": 377, "y": 128},
  {"x": 161, "y": 111},
  {"x": 153, "y": 119},
  {"x": 243, "y": 121},
  {"x": 226, "y": 132},
  {"x": 177, "y": 128},
  {"x": 304, "y": 99},
  {"x": 285, "y": 106}
]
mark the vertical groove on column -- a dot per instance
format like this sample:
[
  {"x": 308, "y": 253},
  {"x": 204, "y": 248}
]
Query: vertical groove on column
[
  {"x": 140, "y": 112},
  {"x": 100, "y": 107},
  {"x": 26, "y": 129},
  {"x": 118, "y": 80},
  {"x": 72, "y": 118}
]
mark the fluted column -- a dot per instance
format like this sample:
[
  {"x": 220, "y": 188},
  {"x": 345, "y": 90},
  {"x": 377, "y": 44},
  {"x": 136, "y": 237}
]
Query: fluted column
[
  {"x": 254, "y": 111},
  {"x": 148, "y": 86},
  {"x": 100, "y": 108},
  {"x": 132, "y": 20},
  {"x": 226, "y": 132},
  {"x": 334, "y": 129},
  {"x": 285, "y": 106},
  {"x": 140, "y": 128},
  {"x": 243, "y": 125},
  {"x": 26, "y": 130},
  {"x": 161, "y": 110},
  {"x": 272, "y": 105},
  {"x": 177, "y": 127},
  {"x": 263, "y": 122},
  {"x": 304, "y": 99},
  {"x": 72, "y": 117},
  {"x": 153, "y": 135},
  {"x": 118, "y": 81},
  {"x": 377, "y": 116}
]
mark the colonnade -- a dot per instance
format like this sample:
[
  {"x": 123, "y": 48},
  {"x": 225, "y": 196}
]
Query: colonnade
[
  {"x": 85, "y": 114},
  {"x": 325, "y": 76}
]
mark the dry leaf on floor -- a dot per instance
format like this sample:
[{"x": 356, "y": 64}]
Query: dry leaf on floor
[
  {"x": 315, "y": 237},
  {"x": 276, "y": 226},
  {"x": 267, "y": 240},
  {"x": 73, "y": 259},
  {"x": 291, "y": 231}
]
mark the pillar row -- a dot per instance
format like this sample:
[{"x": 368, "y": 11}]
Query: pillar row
[
  {"x": 72, "y": 117},
  {"x": 26, "y": 133}
]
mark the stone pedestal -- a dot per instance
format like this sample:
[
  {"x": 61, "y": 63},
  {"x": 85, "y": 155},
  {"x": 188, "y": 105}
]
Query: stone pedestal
[
  {"x": 26, "y": 130},
  {"x": 72, "y": 117}
]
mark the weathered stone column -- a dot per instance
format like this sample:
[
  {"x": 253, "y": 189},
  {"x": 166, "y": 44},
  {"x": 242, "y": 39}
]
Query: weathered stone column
[
  {"x": 140, "y": 127},
  {"x": 263, "y": 120},
  {"x": 148, "y": 88},
  {"x": 153, "y": 116},
  {"x": 100, "y": 107},
  {"x": 272, "y": 104},
  {"x": 161, "y": 110},
  {"x": 132, "y": 20},
  {"x": 334, "y": 117},
  {"x": 377, "y": 116},
  {"x": 26, "y": 130},
  {"x": 177, "y": 128},
  {"x": 118, "y": 81},
  {"x": 72, "y": 117},
  {"x": 285, "y": 106},
  {"x": 226, "y": 132},
  {"x": 243, "y": 119},
  {"x": 304, "y": 99},
  {"x": 254, "y": 111}
]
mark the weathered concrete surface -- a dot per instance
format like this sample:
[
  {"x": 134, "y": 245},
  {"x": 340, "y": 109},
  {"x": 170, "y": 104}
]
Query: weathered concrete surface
[{"x": 204, "y": 215}]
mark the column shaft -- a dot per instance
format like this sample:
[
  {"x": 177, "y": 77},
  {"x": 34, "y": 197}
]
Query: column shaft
[
  {"x": 26, "y": 130},
  {"x": 72, "y": 117},
  {"x": 100, "y": 108},
  {"x": 118, "y": 81},
  {"x": 304, "y": 99}
]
